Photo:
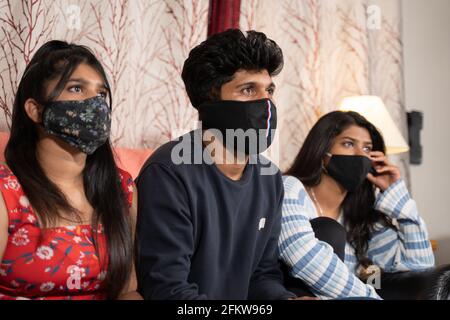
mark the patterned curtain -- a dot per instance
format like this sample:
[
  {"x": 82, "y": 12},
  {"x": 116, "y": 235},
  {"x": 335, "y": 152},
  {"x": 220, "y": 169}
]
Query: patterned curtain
[
  {"x": 333, "y": 48},
  {"x": 141, "y": 43}
]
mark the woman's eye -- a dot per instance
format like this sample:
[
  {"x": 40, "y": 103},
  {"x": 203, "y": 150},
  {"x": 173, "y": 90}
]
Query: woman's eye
[
  {"x": 76, "y": 89},
  {"x": 103, "y": 94},
  {"x": 271, "y": 91},
  {"x": 367, "y": 149},
  {"x": 348, "y": 144}
]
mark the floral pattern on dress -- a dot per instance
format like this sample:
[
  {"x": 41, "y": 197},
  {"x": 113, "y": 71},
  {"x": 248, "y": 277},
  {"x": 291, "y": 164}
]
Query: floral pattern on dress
[{"x": 52, "y": 263}]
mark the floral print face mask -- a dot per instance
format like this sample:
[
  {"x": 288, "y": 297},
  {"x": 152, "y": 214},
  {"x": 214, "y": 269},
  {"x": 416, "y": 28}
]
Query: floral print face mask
[{"x": 84, "y": 124}]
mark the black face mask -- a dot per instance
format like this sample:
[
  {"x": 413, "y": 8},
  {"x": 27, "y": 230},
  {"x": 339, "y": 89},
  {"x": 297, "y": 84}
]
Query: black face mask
[
  {"x": 256, "y": 119},
  {"x": 349, "y": 171},
  {"x": 84, "y": 124}
]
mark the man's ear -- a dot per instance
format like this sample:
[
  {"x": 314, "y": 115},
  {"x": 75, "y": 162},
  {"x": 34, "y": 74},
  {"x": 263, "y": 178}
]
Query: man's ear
[{"x": 34, "y": 110}]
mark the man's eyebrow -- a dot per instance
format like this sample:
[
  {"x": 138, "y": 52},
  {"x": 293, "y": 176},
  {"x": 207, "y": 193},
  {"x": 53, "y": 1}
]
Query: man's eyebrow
[
  {"x": 253, "y": 83},
  {"x": 247, "y": 84}
]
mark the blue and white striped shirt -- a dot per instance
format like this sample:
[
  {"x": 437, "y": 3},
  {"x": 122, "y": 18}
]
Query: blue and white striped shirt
[{"x": 314, "y": 261}]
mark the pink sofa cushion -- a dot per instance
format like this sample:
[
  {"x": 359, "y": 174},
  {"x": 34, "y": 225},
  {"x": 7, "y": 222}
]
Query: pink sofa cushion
[
  {"x": 130, "y": 160},
  {"x": 4, "y": 136}
]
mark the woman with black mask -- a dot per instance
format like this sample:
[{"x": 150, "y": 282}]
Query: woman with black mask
[
  {"x": 67, "y": 212},
  {"x": 347, "y": 213}
]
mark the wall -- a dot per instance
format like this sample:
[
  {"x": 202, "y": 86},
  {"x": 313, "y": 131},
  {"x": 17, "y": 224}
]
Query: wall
[{"x": 426, "y": 38}]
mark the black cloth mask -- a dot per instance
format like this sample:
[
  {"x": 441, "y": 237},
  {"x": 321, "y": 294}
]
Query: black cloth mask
[
  {"x": 251, "y": 123},
  {"x": 349, "y": 171},
  {"x": 84, "y": 124}
]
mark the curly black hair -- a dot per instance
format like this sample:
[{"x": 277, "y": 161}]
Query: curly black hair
[{"x": 215, "y": 61}]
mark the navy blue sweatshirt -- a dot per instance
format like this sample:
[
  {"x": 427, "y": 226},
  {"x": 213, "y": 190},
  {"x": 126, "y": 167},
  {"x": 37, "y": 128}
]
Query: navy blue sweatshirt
[{"x": 202, "y": 235}]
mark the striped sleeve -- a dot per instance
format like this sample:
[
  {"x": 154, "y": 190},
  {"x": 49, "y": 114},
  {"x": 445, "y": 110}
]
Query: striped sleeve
[
  {"x": 309, "y": 259},
  {"x": 408, "y": 248}
]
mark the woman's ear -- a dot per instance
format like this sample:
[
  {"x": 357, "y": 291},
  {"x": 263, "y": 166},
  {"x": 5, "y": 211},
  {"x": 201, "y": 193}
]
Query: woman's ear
[
  {"x": 326, "y": 160},
  {"x": 34, "y": 110}
]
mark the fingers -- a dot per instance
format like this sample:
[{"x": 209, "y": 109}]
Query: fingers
[
  {"x": 376, "y": 153},
  {"x": 371, "y": 177},
  {"x": 389, "y": 169},
  {"x": 379, "y": 157}
]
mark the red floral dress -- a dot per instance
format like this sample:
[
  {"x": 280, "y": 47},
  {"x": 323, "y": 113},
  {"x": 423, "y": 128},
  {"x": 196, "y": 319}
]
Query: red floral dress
[{"x": 53, "y": 263}]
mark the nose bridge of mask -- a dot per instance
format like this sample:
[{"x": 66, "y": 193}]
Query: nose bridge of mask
[
  {"x": 221, "y": 116},
  {"x": 234, "y": 114},
  {"x": 97, "y": 101}
]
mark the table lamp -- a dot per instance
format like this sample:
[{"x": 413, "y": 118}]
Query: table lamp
[{"x": 373, "y": 109}]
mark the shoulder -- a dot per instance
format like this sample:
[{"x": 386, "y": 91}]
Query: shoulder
[
  {"x": 5, "y": 175},
  {"x": 125, "y": 177},
  {"x": 163, "y": 154},
  {"x": 9, "y": 183},
  {"x": 293, "y": 187},
  {"x": 5, "y": 171},
  {"x": 127, "y": 184},
  {"x": 173, "y": 156},
  {"x": 178, "y": 151},
  {"x": 266, "y": 170},
  {"x": 265, "y": 165},
  {"x": 267, "y": 175},
  {"x": 14, "y": 205}
]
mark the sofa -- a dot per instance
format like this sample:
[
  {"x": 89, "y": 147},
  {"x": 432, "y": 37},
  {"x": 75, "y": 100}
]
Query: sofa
[{"x": 431, "y": 284}]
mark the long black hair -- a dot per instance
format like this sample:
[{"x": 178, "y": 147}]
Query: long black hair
[
  {"x": 58, "y": 60},
  {"x": 360, "y": 216}
]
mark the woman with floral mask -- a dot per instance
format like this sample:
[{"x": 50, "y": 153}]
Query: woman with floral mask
[
  {"x": 347, "y": 212},
  {"x": 67, "y": 212}
]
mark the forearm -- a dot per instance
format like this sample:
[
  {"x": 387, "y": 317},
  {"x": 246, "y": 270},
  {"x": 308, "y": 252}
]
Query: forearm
[
  {"x": 405, "y": 249},
  {"x": 408, "y": 247},
  {"x": 396, "y": 203},
  {"x": 315, "y": 263},
  {"x": 310, "y": 260}
]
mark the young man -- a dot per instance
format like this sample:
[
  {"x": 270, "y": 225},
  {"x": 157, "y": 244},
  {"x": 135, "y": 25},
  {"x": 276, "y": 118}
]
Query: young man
[{"x": 208, "y": 227}]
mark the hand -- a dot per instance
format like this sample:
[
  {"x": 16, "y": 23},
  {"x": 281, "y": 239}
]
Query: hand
[{"x": 387, "y": 173}]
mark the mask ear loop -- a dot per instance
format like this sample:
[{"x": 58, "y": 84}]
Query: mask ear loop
[
  {"x": 44, "y": 108},
  {"x": 323, "y": 164}
]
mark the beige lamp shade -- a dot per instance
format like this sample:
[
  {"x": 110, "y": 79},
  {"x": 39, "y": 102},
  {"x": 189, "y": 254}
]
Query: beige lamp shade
[{"x": 373, "y": 109}]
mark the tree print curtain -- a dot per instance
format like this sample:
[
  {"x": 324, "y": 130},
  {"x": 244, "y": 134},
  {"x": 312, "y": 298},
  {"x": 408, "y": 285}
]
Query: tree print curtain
[{"x": 333, "y": 49}]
